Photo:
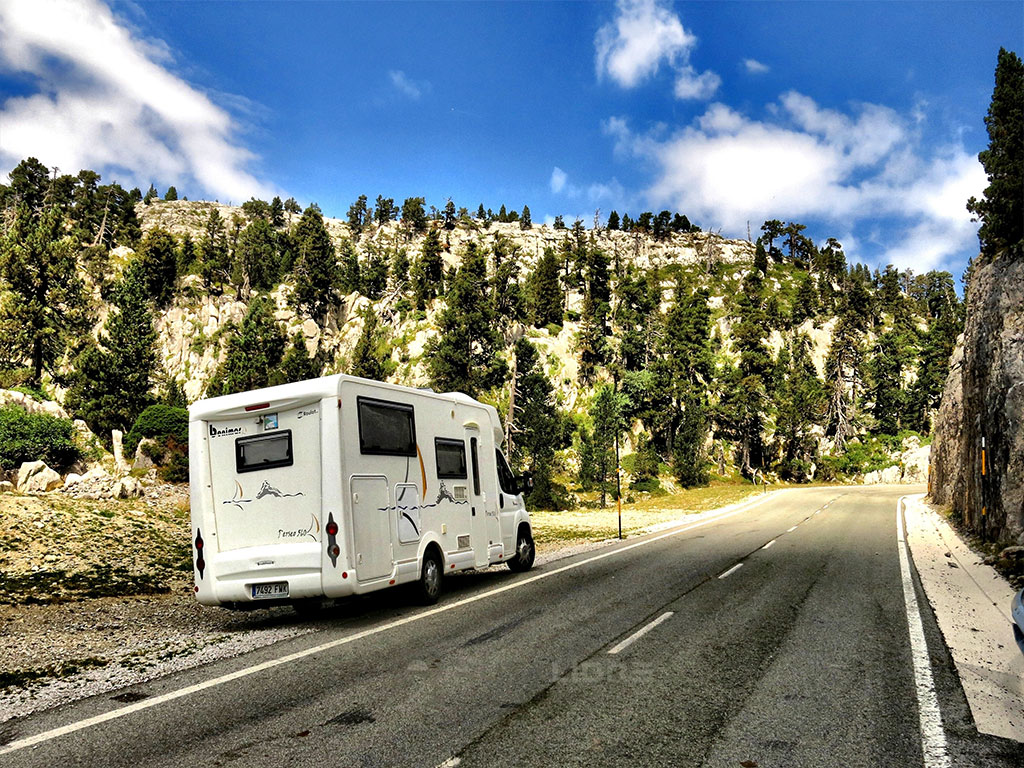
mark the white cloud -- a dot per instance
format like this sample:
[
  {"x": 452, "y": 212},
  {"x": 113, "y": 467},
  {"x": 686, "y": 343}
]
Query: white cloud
[
  {"x": 404, "y": 85},
  {"x": 645, "y": 33},
  {"x": 850, "y": 170},
  {"x": 558, "y": 179},
  {"x": 755, "y": 67},
  {"x": 106, "y": 100},
  {"x": 690, "y": 85}
]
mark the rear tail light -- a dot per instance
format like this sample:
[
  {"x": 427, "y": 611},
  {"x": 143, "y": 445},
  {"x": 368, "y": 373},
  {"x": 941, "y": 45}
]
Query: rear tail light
[
  {"x": 331, "y": 529},
  {"x": 200, "y": 562}
]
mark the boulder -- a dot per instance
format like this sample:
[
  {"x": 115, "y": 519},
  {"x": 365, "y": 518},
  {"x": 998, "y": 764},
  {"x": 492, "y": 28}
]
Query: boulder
[
  {"x": 142, "y": 461},
  {"x": 117, "y": 438},
  {"x": 127, "y": 488},
  {"x": 6, "y": 486},
  {"x": 915, "y": 464},
  {"x": 887, "y": 475},
  {"x": 72, "y": 478},
  {"x": 36, "y": 477}
]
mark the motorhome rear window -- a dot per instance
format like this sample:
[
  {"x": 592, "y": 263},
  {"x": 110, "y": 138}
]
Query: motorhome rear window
[
  {"x": 451, "y": 458},
  {"x": 386, "y": 429},
  {"x": 264, "y": 451}
]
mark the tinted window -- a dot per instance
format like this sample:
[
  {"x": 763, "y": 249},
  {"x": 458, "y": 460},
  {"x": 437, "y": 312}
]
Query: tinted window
[
  {"x": 451, "y": 458},
  {"x": 505, "y": 476},
  {"x": 476, "y": 466},
  {"x": 264, "y": 451},
  {"x": 386, "y": 428}
]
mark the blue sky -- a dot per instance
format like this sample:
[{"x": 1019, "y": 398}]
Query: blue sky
[{"x": 862, "y": 120}]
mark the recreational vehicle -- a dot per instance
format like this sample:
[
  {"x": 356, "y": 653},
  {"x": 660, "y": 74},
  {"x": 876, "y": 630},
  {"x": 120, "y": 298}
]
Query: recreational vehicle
[{"x": 340, "y": 485}]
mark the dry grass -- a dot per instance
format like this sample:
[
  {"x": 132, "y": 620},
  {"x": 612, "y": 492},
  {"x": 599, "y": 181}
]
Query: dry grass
[
  {"x": 55, "y": 548},
  {"x": 581, "y": 525}
]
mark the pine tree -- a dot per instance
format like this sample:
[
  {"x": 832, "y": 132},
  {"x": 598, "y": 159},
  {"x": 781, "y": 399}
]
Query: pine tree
[
  {"x": 186, "y": 256},
  {"x": 613, "y": 221},
  {"x": 151, "y": 195},
  {"x": 369, "y": 358},
  {"x": 358, "y": 216},
  {"x": 171, "y": 194},
  {"x": 276, "y": 213},
  {"x": 158, "y": 263},
  {"x": 256, "y": 259},
  {"x": 760, "y": 258},
  {"x": 464, "y": 357},
  {"x": 800, "y": 408},
  {"x": 43, "y": 303},
  {"x": 350, "y": 277},
  {"x": 296, "y": 365},
  {"x": 254, "y": 352},
  {"x": 386, "y": 210},
  {"x": 316, "y": 270},
  {"x": 525, "y": 222},
  {"x": 805, "y": 304},
  {"x": 607, "y": 413},
  {"x": 112, "y": 379},
  {"x": 428, "y": 273},
  {"x": 544, "y": 295},
  {"x": 414, "y": 216},
  {"x": 751, "y": 408},
  {"x": 633, "y": 320},
  {"x": 450, "y": 217},
  {"x": 1001, "y": 210},
  {"x": 534, "y": 424},
  {"x": 214, "y": 257}
]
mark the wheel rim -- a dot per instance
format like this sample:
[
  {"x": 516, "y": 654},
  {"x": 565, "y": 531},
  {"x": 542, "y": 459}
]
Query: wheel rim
[
  {"x": 431, "y": 576},
  {"x": 525, "y": 546}
]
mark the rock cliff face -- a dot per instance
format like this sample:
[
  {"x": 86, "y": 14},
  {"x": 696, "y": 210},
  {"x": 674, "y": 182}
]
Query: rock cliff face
[{"x": 983, "y": 404}]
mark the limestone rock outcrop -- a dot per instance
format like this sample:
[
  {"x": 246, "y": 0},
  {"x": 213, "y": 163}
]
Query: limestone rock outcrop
[
  {"x": 36, "y": 477},
  {"x": 982, "y": 411}
]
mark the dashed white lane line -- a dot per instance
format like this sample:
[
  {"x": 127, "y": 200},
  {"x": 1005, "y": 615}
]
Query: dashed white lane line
[
  {"x": 933, "y": 736},
  {"x": 791, "y": 529},
  {"x": 114, "y": 714},
  {"x": 731, "y": 571},
  {"x": 641, "y": 632},
  {"x": 769, "y": 544}
]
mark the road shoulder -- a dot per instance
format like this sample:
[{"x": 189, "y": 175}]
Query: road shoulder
[{"x": 971, "y": 602}]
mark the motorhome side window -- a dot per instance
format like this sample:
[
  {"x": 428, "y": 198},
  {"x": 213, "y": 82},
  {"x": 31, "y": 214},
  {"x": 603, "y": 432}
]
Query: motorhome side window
[
  {"x": 385, "y": 428},
  {"x": 505, "y": 476},
  {"x": 264, "y": 451},
  {"x": 451, "y": 458}
]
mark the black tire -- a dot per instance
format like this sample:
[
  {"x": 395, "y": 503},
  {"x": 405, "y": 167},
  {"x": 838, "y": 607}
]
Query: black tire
[
  {"x": 428, "y": 587},
  {"x": 525, "y": 551}
]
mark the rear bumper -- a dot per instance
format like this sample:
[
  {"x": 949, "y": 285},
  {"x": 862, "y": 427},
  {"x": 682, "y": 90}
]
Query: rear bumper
[{"x": 230, "y": 576}]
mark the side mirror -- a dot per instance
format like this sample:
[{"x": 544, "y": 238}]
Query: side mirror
[{"x": 525, "y": 482}]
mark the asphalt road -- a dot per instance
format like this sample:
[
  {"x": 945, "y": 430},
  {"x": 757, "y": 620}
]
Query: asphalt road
[{"x": 799, "y": 657}]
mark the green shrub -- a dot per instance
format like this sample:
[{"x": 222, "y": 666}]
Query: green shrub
[
  {"x": 167, "y": 426},
  {"x": 158, "y": 422},
  {"x": 36, "y": 437}
]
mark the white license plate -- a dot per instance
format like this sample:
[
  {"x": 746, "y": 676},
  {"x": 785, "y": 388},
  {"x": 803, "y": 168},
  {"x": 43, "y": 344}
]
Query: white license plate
[{"x": 270, "y": 591}]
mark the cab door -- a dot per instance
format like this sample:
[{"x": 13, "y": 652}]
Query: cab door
[{"x": 485, "y": 527}]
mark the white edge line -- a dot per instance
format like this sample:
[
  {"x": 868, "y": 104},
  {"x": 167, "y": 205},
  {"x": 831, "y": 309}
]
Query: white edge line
[
  {"x": 933, "y": 737},
  {"x": 641, "y": 632},
  {"x": 731, "y": 570},
  {"x": 769, "y": 544},
  {"x": 114, "y": 714}
]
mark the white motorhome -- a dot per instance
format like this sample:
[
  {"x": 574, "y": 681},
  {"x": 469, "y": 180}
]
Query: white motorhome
[{"x": 340, "y": 485}]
